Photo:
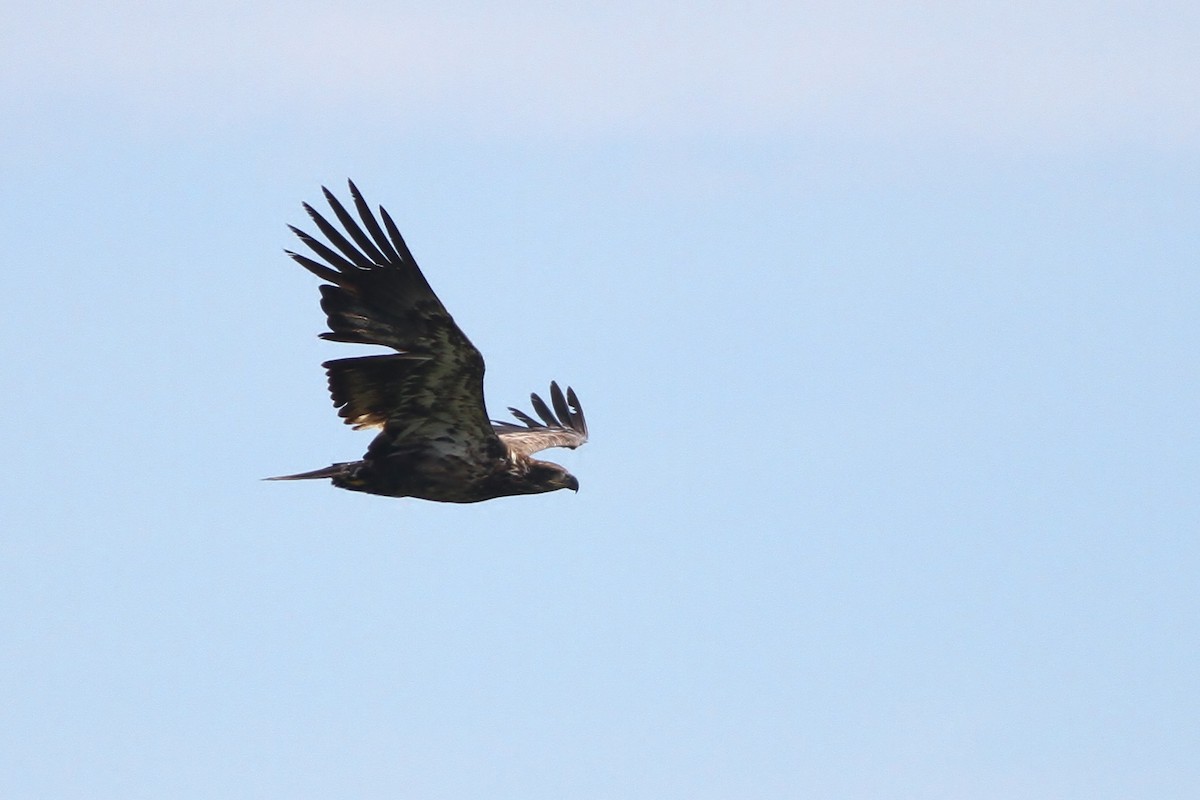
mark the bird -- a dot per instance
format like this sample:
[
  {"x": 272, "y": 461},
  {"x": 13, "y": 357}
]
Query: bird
[{"x": 436, "y": 441}]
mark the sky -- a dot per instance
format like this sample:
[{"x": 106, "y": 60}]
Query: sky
[{"x": 884, "y": 317}]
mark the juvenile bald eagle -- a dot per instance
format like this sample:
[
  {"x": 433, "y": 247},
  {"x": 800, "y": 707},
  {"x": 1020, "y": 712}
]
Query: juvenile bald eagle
[{"x": 436, "y": 442}]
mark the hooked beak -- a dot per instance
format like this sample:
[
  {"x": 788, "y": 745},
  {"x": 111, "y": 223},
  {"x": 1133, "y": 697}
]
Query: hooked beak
[{"x": 571, "y": 482}]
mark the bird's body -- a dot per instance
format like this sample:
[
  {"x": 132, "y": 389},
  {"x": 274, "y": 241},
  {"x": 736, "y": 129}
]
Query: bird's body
[{"x": 436, "y": 442}]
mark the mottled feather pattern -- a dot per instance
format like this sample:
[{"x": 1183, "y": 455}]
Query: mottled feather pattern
[{"x": 388, "y": 302}]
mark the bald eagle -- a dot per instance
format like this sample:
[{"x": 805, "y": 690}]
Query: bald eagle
[{"x": 436, "y": 441}]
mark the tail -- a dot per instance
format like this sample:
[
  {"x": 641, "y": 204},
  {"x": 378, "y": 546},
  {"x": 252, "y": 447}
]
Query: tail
[{"x": 332, "y": 471}]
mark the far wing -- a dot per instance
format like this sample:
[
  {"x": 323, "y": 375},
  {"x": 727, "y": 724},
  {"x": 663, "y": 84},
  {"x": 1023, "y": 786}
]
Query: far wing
[{"x": 565, "y": 426}]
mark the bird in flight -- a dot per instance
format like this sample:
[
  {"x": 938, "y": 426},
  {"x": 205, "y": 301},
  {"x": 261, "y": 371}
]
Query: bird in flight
[{"x": 436, "y": 441}]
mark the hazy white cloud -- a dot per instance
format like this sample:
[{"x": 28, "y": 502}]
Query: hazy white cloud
[{"x": 1091, "y": 72}]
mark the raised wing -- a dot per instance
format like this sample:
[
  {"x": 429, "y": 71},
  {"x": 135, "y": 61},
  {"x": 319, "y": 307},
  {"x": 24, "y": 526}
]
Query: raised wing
[
  {"x": 376, "y": 294},
  {"x": 565, "y": 426}
]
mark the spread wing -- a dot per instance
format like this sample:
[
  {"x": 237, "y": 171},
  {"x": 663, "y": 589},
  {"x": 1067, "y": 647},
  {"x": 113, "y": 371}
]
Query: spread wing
[
  {"x": 565, "y": 426},
  {"x": 431, "y": 389}
]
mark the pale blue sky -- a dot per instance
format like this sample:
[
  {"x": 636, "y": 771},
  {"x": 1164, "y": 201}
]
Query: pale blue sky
[{"x": 885, "y": 322}]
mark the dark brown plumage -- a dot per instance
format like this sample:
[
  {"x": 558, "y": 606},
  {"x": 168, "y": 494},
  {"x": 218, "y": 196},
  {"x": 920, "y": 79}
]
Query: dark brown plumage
[{"x": 436, "y": 442}]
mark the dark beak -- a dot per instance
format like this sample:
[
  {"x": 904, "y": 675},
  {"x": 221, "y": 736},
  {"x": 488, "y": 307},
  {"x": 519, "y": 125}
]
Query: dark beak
[{"x": 572, "y": 483}]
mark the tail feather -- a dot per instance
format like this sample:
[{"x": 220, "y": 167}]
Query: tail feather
[{"x": 332, "y": 471}]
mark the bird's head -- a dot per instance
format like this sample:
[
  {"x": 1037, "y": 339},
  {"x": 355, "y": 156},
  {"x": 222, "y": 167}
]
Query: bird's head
[{"x": 544, "y": 476}]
